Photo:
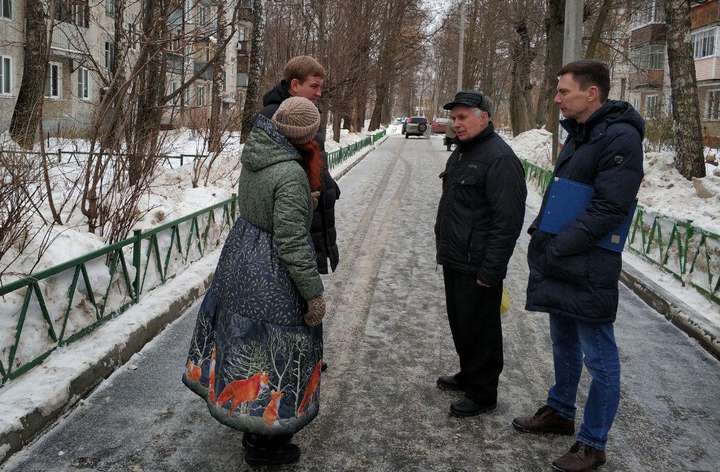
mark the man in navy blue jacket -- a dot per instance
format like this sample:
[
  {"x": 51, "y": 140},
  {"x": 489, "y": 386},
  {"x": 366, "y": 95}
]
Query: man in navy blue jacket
[{"x": 571, "y": 277}]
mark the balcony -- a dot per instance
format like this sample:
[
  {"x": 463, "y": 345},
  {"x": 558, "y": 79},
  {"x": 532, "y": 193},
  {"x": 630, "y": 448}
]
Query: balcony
[
  {"x": 707, "y": 69},
  {"x": 652, "y": 33},
  {"x": 704, "y": 14},
  {"x": 652, "y": 79}
]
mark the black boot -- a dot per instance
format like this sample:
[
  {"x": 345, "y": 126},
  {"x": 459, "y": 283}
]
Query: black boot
[{"x": 269, "y": 450}]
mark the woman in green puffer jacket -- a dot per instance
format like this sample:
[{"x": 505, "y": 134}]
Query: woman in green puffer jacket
[{"x": 256, "y": 352}]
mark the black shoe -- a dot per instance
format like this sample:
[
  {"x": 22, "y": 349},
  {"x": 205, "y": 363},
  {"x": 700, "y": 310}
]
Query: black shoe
[
  {"x": 449, "y": 382},
  {"x": 323, "y": 367},
  {"x": 466, "y": 407},
  {"x": 278, "y": 454}
]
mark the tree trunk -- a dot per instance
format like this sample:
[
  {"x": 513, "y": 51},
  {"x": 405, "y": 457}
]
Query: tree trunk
[
  {"x": 27, "y": 115},
  {"x": 255, "y": 70},
  {"x": 218, "y": 84},
  {"x": 547, "y": 110},
  {"x": 109, "y": 120},
  {"x": 522, "y": 57},
  {"x": 686, "y": 110},
  {"x": 598, "y": 28},
  {"x": 151, "y": 91}
]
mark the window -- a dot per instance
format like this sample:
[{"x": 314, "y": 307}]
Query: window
[
  {"x": 704, "y": 43},
  {"x": 712, "y": 105},
  {"x": 109, "y": 56},
  {"x": 54, "y": 80},
  {"x": 83, "y": 84},
  {"x": 651, "y": 12},
  {"x": 173, "y": 88},
  {"x": 176, "y": 45},
  {"x": 241, "y": 33},
  {"x": 200, "y": 96},
  {"x": 652, "y": 106},
  {"x": 650, "y": 57},
  {"x": 81, "y": 13},
  {"x": 110, "y": 7},
  {"x": 5, "y": 75},
  {"x": 132, "y": 35},
  {"x": 202, "y": 15},
  {"x": 6, "y": 9}
]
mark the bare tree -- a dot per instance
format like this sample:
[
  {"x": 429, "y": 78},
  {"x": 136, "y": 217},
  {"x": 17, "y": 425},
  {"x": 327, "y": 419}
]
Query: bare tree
[
  {"x": 255, "y": 72},
  {"x": 27, "y": 115},
  {"x": 685, "y": 107},
  {"x": 218, "y": 83}
]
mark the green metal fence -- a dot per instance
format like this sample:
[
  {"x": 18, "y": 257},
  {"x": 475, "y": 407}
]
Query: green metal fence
[
  {"x": 72, "y": 299},
  {"x": 336, "y": 158},
  {"x": 689, "y": 253}
]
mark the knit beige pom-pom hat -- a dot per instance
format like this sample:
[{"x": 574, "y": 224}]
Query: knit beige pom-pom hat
[{"x": 298, "y": 119}]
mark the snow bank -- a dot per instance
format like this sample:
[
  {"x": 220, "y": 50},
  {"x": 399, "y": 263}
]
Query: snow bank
[{"x": 172, "y": 196}]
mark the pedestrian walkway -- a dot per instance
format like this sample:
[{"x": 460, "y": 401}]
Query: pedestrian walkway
[{"x": 387, "y": 340}]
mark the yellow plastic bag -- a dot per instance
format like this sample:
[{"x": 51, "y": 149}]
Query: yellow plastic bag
[{"x": 505, "y": 303}]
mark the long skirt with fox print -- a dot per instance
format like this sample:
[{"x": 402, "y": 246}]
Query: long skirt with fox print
[{"x": 252, "y": 357}]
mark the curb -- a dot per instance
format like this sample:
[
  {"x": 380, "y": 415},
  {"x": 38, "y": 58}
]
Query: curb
[
  {"x": 675, "y": 310},
  {"x": 38, "y": 417}
]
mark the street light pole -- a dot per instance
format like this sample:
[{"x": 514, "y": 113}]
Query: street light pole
[
  {"x": 573, "y": 34},
  {"x": 461, "y": 47},
  {"x": 572, "y": 48}
]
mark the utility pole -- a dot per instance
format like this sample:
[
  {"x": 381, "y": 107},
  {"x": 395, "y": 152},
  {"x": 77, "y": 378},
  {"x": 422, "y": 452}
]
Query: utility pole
[
  {"x": 572, "y": 49},
  {"x": 573, "y": 37},
  {"x": 461, "y": 46}
]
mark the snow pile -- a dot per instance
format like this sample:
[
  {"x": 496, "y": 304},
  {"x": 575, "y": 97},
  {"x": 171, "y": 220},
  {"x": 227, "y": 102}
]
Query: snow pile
[
  {"x": 534, "y": 146},
  {"x": 666, "y": 192},
  {"x": 663, "y": 190}
]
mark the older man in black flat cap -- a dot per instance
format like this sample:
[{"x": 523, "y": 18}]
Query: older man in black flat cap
[{"x": 479, "y": 218}]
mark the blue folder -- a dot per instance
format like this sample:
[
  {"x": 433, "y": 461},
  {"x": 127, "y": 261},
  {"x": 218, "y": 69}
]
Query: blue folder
[{"x": 566, "y": 200}]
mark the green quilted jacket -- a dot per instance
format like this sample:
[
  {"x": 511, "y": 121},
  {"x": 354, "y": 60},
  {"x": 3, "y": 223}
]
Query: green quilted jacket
[{"x": 274, "y": 195}]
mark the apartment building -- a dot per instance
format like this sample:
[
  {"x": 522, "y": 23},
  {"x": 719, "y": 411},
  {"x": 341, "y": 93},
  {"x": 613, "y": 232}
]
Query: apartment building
[
  {"x": 647, "y": 72},
  {"x": 82, "y": 56}
]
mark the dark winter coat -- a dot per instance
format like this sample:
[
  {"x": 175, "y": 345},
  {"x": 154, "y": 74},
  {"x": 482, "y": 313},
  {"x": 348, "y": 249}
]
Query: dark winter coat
[
  {"x": 569, "y": 274},
  {"x": 322, "y": 230},
  {"x": 482, "y": 207},
  {"x": 252, "y": 357}
]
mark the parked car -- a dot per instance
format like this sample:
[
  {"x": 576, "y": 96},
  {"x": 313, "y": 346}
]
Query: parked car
[
  {"x": 439, "y": 125},
  {"x": 415, "y": 126}
]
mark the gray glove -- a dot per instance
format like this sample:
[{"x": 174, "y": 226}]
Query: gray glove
[{"x": 316, "y": 311}]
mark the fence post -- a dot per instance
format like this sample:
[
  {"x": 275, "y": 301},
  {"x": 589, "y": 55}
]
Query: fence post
[
  {"x": 136, "y": 262},
  {"x": 59, "y": 156}
]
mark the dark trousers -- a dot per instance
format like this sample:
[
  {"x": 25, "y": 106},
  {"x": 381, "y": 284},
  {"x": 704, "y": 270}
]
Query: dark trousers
[{"x": 474, "y": 315}]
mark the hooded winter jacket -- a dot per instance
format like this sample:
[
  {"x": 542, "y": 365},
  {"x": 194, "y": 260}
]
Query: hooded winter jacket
[{"x": 569, "y": 274}]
